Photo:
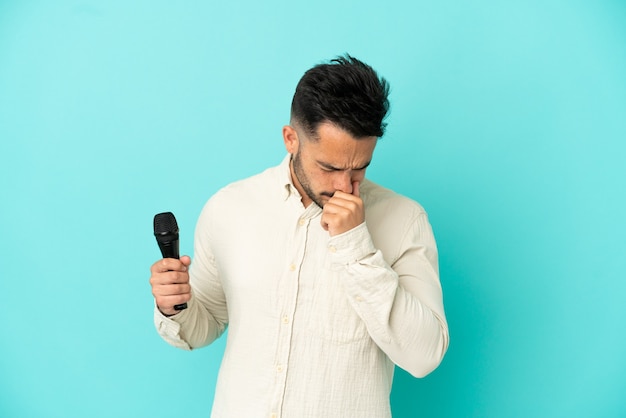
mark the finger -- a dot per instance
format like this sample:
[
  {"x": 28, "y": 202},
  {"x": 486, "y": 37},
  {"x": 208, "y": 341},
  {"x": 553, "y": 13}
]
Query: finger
[
  {"x": 166, "y": 303},
  {"x": 344, "y": 203},
  {"x": 186, "y": 260},
  {"x": 324, "y": 220},
  {"x": 171, "y": 290},
  {"x": 168, "y": 264},
  {"x": 355, "y": 189},
  {"x": 169, "y": 277},
  {"x": 345, "y": 196}
]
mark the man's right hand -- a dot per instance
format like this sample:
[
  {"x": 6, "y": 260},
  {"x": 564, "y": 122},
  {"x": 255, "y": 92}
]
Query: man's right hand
[{"x": 170, "y": 283}]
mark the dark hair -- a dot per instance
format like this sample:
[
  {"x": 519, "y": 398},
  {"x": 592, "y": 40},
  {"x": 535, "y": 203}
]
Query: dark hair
[{"x": 345, "y": 92}]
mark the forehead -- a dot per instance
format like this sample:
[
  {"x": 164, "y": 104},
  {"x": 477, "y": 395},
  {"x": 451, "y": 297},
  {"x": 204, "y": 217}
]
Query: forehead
[{"x": 336, "y": 147}]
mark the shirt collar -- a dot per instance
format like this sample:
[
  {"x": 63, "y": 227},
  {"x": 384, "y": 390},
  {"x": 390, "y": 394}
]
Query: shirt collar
[{"x": 286, "y": 183}]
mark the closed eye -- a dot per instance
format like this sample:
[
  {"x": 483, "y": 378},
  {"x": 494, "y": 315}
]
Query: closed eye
[{"x": 331, "y": 168}]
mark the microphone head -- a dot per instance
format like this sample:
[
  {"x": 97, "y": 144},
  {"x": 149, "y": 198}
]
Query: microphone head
[{"x": 165, "y": 224}]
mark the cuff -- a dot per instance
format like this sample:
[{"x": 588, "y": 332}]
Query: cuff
[
  {"x": 351, "y": 246},
  {"x": 169, "y": 328}
]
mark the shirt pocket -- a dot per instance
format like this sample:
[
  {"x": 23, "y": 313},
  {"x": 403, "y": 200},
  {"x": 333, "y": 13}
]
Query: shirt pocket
[{"x": 332, "y": 318}]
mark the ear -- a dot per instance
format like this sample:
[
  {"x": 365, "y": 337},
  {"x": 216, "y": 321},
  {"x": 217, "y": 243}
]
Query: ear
[{"x": 290, "y": 137}]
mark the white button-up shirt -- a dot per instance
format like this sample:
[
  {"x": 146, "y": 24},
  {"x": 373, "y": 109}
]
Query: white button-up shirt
[{"x": 315, "y": 323}]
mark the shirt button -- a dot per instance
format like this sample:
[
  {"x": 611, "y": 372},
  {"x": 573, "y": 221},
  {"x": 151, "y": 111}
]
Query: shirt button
[
  {"x": 273, "y": 416},
  {"x": 332, "y": 249},
  {"x": 359, "y": 299},
  {"x": 292, "y": 267},
  {"x": 285, "y": 319},
  {"x": 302, "y": 221},
  {"x": 279, "y": 368}
]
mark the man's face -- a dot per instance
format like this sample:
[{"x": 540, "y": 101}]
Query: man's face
[{"x": 334, "y": 161}]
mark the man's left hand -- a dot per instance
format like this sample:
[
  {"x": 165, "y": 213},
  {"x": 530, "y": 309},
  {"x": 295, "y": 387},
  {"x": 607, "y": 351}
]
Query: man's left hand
[{"x": 343, "y": 211}]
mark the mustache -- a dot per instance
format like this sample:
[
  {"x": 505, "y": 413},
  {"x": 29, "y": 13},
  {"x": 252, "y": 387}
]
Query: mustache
[{"x": 328, "y": 194}]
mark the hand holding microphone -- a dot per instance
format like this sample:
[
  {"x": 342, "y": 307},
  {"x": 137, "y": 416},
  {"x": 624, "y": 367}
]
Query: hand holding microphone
[{"x": 170, "y": 276}]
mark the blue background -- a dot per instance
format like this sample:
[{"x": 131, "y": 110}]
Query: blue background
[{"x": 508, "y": 124}]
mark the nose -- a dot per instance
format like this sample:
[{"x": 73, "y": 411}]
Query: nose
[{"x": 343, "y": 181}]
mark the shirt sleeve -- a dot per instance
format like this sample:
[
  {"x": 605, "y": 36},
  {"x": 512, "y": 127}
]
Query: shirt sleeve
[
  {"x": 206, "y": 316},
  {"x": 401, "y": 304}
]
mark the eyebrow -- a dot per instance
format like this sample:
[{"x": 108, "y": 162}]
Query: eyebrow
[{"x": 332, "y": 167}]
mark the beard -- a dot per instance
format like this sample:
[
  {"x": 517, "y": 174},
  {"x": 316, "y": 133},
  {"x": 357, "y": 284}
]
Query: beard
[{"x": 305, "y": 182}]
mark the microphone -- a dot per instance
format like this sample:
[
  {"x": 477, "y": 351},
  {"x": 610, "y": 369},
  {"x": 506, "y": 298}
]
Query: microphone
[{"x": 166, "y": 234}]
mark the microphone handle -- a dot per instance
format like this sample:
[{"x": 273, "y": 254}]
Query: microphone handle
[{"x": 170, "y": 250}]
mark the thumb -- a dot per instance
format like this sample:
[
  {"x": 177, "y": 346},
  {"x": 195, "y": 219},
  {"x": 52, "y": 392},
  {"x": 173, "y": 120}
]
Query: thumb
[
  {"x": 186, "y": 260},
  {"x": 355, "y": 189}
]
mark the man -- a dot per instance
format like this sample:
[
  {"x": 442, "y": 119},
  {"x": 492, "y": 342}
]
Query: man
[{"x": 325, "y": 279}]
